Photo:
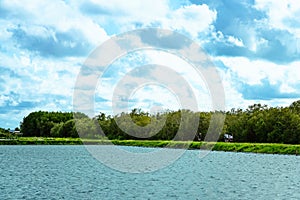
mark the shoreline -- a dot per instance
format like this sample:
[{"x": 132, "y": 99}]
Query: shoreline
[{"x": 268, "y": 148}]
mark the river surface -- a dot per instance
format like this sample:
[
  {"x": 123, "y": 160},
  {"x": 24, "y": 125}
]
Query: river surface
[{"x": 70, "y": 172}]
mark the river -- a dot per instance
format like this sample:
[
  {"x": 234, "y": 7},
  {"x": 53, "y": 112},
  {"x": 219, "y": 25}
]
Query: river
[{"x": 70, "y": 172}]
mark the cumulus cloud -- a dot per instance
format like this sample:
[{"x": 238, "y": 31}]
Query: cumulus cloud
[
  {"x": 192, "y": 19},
  {"x": 283, "y": 15},
  {"x": 259, "y": 30},
  {"x": 131, "y": 67},
  {"x": 51, "y": 27},
  {"x": 262, "y": 80},
  {"x": 189, "y": 18},
  {"x": 43, "y": 44}
]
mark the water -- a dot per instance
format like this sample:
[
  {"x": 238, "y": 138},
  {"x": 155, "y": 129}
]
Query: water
[{"x": 70, "y": 172}]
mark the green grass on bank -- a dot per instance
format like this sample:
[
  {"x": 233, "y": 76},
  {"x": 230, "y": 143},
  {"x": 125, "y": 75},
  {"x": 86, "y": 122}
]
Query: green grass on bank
[{"x": 219, "y": 146}]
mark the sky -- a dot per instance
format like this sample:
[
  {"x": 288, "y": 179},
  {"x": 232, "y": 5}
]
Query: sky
[{"x": 254, "y": 44}]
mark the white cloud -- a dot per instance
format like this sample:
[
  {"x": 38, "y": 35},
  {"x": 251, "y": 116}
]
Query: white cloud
[
  {"x": 257, "y": 42},
  {"x": 195, "y": 79},
  {"x": 229, "y": 39},
  {"x": 37, "y": 78},
  {"x": 235, "y": 99},
  {"x": 44, "y": 18},
  {"x": 193, "y": 19},
  {"x": 285, "y": 88},
  {"x": 281, "y": 14},
  {"x": 235, "y": 41},
  {"x": 147, "y": 11},
  {"x": 3, "y": 99},
  {"x": 144, "y": 98},
  {"x": 106, "y": 87},
  {"x": 189, "y": 19},
  {"x": 253, "y": 71}
]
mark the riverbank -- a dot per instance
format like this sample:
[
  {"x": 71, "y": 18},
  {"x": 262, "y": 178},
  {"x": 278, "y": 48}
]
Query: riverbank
[{"x": 219, "y": 146}]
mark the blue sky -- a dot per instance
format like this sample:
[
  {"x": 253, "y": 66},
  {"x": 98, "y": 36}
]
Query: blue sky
[{"x": 255, "y": 45}]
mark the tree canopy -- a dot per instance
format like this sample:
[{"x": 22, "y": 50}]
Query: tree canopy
[{"x": 257, "y": 123}]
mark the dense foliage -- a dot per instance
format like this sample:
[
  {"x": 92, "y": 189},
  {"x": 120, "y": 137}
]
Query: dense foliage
[
  {"x": 258, "y": 123},
  {"x": 4, "y": 133},
  {"x": 40, "y": 123}
]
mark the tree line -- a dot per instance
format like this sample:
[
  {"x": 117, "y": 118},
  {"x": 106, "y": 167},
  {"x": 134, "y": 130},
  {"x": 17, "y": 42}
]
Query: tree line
[
  {"x": 258, "y": 123},
  {"x": 4, "y": 133}
]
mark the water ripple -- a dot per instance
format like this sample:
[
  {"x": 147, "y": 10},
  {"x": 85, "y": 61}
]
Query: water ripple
[{"x": 70, "y": 172}]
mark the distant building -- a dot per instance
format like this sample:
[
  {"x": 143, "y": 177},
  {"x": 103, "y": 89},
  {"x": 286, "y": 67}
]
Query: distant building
[
  {"x": 228, "y": 138},
  {"x": 15, "y": 132}
]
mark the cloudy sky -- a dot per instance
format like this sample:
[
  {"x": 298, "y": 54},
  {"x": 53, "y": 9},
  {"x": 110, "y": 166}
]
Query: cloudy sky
[{"x": 255, "y": 45}]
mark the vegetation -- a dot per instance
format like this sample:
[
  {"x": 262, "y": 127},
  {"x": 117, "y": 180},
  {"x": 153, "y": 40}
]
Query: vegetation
[
  {"x": 7, "y": 133},
  {"x": 265, "y": 125},
  {"x": 259, "y": 129},
  {"x": 4, "y": 133},
  {"x": 219, "y": 146},
  {"x": 257, "y": 124}
]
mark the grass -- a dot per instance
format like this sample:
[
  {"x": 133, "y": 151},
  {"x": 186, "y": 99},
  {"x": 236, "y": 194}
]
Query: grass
[{"x": 219, "y": 146}]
